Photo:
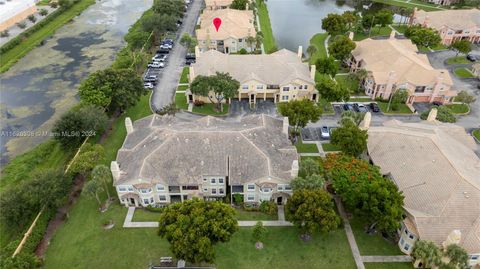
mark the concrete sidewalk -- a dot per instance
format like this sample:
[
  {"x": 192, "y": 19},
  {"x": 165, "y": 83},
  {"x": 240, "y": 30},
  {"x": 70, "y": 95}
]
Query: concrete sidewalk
[
  {"x": 272, "y": 223},
  {"x": 399, "y": 258},
  {"x": 129, "y": 224}
]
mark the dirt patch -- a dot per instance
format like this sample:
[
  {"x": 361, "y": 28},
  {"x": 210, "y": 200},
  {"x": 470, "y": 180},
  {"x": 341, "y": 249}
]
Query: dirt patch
[{"x": 259, "y": 245}]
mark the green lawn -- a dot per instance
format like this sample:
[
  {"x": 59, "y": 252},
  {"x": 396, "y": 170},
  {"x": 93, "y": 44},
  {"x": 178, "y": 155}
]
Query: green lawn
[
  {"x": 330, "y": 147},
  {"x": 361, "y": 99},
  {"x": 389, "y": 265},
  {"x": 43, "y": 3},
  {"x": 209, "y": 109},
  {"x": 400, "y": 27},
  {"x": 10, "y": 57},
  {"x": 351, "y": 83},
  {"x": 476, "y": 133},
  {"x": 306, "y": 148},
  {"x": 318, "y": 40},
  {"x": 326, "y": 107},
  {"x": 403, "y": 108},
  {"x": 181, "y": 101},
  {"x": 462, "y": 72},
  {"x": 184, "y": 76},
  {"x": 145, "y": 215},
  {"x": 459, "y": 108},
  {"x": 412, "y": 4},
  {"x": 182, "y": 88},
  {"x": 376, "y": 31},
  {"x": 458, "y": 60},
  {"x": 266, "y": 28},
  {"x": 372, "y": 244},
  {"x": 253, "y": 215}
]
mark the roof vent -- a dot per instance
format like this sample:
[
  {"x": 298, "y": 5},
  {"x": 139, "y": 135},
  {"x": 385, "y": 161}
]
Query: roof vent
[
  {"x": 202, "y": 163},
  {"x": 433, "y": 161}
]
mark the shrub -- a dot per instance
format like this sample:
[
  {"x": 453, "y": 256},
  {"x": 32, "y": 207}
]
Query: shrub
[
  {"x": 198, "y": 103},
  {"x": 5, "y": 33},
  {"x": 43, "y": 12},
  {"x": 242, "y": 51},
  {"x": 237, "y": 199},
  {"x": 32, "y": 18},
  {"x": 444, "y": 114},
  {"x": 53, "y": 5},
  {"x": 154, "y": 209},
  {"x": 22, "y": 25},
  {"x": 268, "y": 207}
]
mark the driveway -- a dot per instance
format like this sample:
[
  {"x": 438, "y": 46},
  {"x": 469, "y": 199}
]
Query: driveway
[
  {"x": 164, "y": 92},
  {"x": 242, "y": 108}
]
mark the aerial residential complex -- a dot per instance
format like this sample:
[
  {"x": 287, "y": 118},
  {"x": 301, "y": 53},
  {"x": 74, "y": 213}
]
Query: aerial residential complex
[
  {"x": 12, "y": 12},
  {"x": 237, "y": 26},
  {"x": 165, "y": 159},
  {"x": 452, "y": 25},
  {"x": 279, "y": 77},
  {"x": 217, "y": 4},
  {"x": 436, "y": 168},
  {"x": 395, "y": 64}
]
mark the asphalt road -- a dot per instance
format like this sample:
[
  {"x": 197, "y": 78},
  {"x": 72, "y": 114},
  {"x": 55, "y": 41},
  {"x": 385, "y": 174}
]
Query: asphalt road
[{"x": 164, "y": 92}]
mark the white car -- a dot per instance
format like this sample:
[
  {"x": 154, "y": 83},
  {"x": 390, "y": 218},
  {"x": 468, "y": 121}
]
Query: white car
[
  {"x": 325, "y": 132},
  {"x": 156, "y": 65},
  {"x": 148, "y": 85},
  {"x": 159, "y": 58}
]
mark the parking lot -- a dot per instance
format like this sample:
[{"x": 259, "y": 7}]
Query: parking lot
[{"x": 242, "y": 108}]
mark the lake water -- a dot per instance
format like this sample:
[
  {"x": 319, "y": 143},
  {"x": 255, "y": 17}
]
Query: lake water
[{"x": 43, "y": 84}]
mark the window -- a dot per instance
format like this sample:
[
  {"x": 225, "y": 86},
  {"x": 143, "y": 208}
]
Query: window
[
  {"x": 420, "y": 89},
  {"x": 130, "y": 188},
  {"x": 305, "y": 87},
  {"x": 145, "y": 201},
  {"x": 251, "y": 187},
  {"x": 259, "y": 87},
  {"x": 411, "y": 236},
  {"x": 407, "y": 247},
  {"x": 160, "y": 187},
  {"x": 220, "y": 180},
  {"x": 151, "y": 200},
  {"x": 288, "y": 188},
  {"x": 122, "y": 189},
  {"x": 402, "y": 241},
  {"x": 240, "y": 40},
  {"x": 205, "y": 180},
  {"x": 406, "y": 231},
  {"x": 221, "y": 191},
  {"x": 286, "y": 89},
  {"x": 162, "y": 198},
  {"x": 266, "y": 190},
  {"x": 212, "y": 181},
  {"x": 205, "y": 189},
  {"x": 251, "y": 197},
  {"x": 285, "y": 98},
  {"x": 474, "y": 257},
  {"x": 214, "y": 191},
  {"x": 280, "y": 187},
  {"x": 190, "y": 188},
  {"x": 244, "y": 87},
  {"x": 300, "y": 87},
  {"x": 145, "y": 190}
]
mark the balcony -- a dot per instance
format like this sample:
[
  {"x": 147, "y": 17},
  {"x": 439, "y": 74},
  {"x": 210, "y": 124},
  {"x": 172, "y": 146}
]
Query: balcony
[{"x": 174, "y": 189}]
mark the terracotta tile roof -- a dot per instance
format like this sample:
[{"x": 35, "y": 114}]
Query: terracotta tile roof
[
  {"x": 454, "y": 19},
  {"x": 235, "y": 24},
  {"x": 219, "y": 3}
]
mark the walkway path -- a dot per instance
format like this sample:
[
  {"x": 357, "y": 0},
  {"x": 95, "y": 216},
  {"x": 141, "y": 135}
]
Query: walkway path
[
  {"x": 350, "y": 236},
  {"x": 325, "y": 43},
  {"x": 399, "y": 258},
  {"x": 144, "y": 224},
  {"x": 281, "y": 213},
  {"x": 276, "y": 223}
]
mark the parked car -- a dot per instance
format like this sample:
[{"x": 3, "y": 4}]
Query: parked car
[
  {"x": 148, "y": 85},
  {"x": 374, "y": 107},
  {"x": 355, "y": 107},
  {"x": 160, "y": 57},
  {"x": 362, "y": 108},
  {"x": 325, "y": 132},
  {"x": 156, "y": 65},
  {"x": 190, "y": 56},
  {"x": 163, "y": 51},
  {"x": 189, "y": 61},
  {"x": 165, "y": 47},
  {"x": 471, "y": 58},
  {"x": 347, "y": 107},
  {"x": 436, "y": 103}
]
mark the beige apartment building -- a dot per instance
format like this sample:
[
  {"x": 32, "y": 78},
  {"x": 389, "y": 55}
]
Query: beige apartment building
[
  {"x": 237, "y": 26},
  {"x": 452, "y": 25},
  {"x": 165, "y": 159},
  {"x": 217, "y": 4},
  {"x": 279, "y": 77},
  {"x": 435, "y": 167},
  {"x": 14, "y": 11},
  {"x": 395, "y": 64}
]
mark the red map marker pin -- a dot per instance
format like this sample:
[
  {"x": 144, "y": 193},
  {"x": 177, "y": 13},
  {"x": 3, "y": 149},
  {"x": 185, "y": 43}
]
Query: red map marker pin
[{"x": 217, "y": 22}]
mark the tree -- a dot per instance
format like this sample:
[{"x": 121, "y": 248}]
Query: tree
[
  {"x": 101, "y": 173},
  {"x": 32, "y": 18},
  {"x": 137, "y": 39},
  {"x": 194, "y": 226},
  {"x": 21, "y": 25},
  {"x": 176, "y": 8},
  {"x": 309, "y": 167},
  {"x": 458, "y": 257},
  {"x": 350, "y": 138},
  {"x": 399, "y": 97},
  {"x": 423, "y": 36},
  {"x": 250, "y": 41},
  {"x": 113, "y": 89},
  {"x": 312, "y": 49},
  {"x": 444, "y": 114},
  {"x": 341, "y": 47},
  {"x": 159, "y": 23},
  {"x": 300, "y": 113},
  {"x": 311, "y": 182},
  {"x": 355, "y": 117},
  {"x": 368, "y": 21},
  {"x": 384, "y": 17},
  {"x": 4, "y": 33},
  {"x": 351, "y": 19},
  {"x": 461, "y": 46},
  {"x": 188, "y": 41},
  {"x": 89, "y": 156},
  {"x": 43, "y": 12},
  {"x": 334, "y": 24},
  {"x": 74, "y": 126},
  {"x": 427, "y": 252},
  {"x": 259, "y": 232},
  {"x": 311, "y": 211},
  {"x": 92, "y": 188},
  {"x": 258, "y": 40},
  {"x": 221, "y": 85},
  {"x": 464, "y": 97},
  {"x": 239, "y": 4},
  {"x": 327, "y": 65},
  {"x": 332, "y": 91}
]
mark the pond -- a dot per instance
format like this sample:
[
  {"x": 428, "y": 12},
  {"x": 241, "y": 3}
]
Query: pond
[{"x": 43, "y": 84}]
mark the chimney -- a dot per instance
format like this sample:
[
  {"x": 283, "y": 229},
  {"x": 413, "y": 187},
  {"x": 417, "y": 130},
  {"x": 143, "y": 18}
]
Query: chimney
[
  {"x": 197, "y": 52},
  {"x": 128, "y": 125},
  {"x": 294, "y": 172},
  {"x": 285, "y": 126},
  {"x": 313, "y": 70},
  {"x": 350, "y": 35},
  {"x": 432, "y": 116},
  {"x": 300, "y": 52},
  {"x": 392, "y": 34},
  {"x": 115, "y": 170},
  {"x": 365, "y": 124}
]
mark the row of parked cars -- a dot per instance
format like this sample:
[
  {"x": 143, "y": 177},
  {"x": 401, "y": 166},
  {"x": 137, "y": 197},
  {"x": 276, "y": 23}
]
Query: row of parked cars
[
  {"x": 361, "y": 107},
  {"x": 159, "y": 61}
]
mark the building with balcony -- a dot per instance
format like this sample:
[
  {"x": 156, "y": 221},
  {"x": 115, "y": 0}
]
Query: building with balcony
[
  {"x": 393, "y": 64},
  {"x": 237, "y": 26},
  {"x": 279, "y": 77},
  {"x": 14, "y": 11},
  {"x": 165, "y": 159},
  {"x": 217, "y": 4},
  {"x": 435, "y": 167},
  {"x": 452, "y": 25}
]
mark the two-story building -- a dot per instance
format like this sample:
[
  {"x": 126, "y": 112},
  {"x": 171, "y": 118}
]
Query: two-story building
[
  {"x": 217, "y": 4},
  {"x": 232, "y": 36},
  {"x": 436, "y": 169},
  {"x": 12, "y": 12},
  {"x": 279, "y": 77},
  {"x": 393, "y": 64},
  {"x": 452, "y": 25},
  {"x": 165, "y": 159}
]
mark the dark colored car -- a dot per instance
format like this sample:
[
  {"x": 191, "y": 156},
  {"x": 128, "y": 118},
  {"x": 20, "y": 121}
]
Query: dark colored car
[
  {"x": 347, "y": 107},
  {"x": 190, "y": 56},
  {"x": 437, "y": 103},
  {"x": 190, "y": 61},
  {"x": 163, "y": 51},
  {"x": 374, "y": 107},
  {"x": 356, "y": 108},
  {"x": 471, "y": 58}
]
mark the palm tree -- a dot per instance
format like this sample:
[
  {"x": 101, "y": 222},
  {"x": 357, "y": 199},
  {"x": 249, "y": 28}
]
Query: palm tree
[
  {"x": 101, "y": 173},
  {"x": 250, "y": 41},
  {"x": 91, "y": 188},
  {"x": 311, "y": 50},
  {"x": 457, "y": 255},
  {"x": 427, "y": 253},
  {"x": 259, "y": 40}
]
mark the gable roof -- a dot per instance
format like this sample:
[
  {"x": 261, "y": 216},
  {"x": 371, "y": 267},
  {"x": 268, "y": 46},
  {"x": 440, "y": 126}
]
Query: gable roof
[
  {"x": 235, "y": 24},
  {"x": 459, "y": 19},
  {"x": 218, "y": 3},
  {"x": 278, "y": 68}
]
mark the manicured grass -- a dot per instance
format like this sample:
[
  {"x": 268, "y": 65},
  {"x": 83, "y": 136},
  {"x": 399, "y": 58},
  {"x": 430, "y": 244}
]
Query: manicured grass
[
  {"x": 284, "y": 249},
  {"x": 10, "y": 57},
  {"x": 182, "y": 88},
  {"x": 326, "y": 107},
  {"x": 306, "y": 148},
  {"x": 362, "y": 99},
  {"x": 43, "y": 3},
  {"x": 266, "y": 28},
  {"x": 253, "y": 215},
  {"x": 318, "y": 40},
  {"x": 458, "y": 60},
  {"x": 315, "y": 158},
  {"x": 181, "y": 101},
  {"x": 145, "y": 215},
  {"x": 402, "y": 108},
  {"x": 209, "y": 109},
  {"x": 376, "y": 31},
  {"x": 400, "y": 3},
  {"x": 184, "y": 76},
  {"x": 351, "y": 83},
  {"x": 459, "y": 108},
  {"x": 330, "y": 147},
  {"x": 463, "y": 73},
  {"x": 371, "y": 244},
  {"x": 389, "y": 265},
  {"x": 400, "y": 27},
  {"x": 476, "y": 133}
]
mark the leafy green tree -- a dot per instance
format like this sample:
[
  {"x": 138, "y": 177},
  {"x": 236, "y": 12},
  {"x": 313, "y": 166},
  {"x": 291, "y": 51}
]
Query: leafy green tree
[
  {"x": 32, "y": 18},
  {"x": 341, "y": 47},
  {"x": 309, "y": 167},
  {"x": 311, "y": 211},
  {"x": 464, "y": 97},
  {"x": 259, "y": 232},
  {"x": 74, "y": 126},
  {"x": 312, "y": 49},
  {"x": 398, "y": 97},
  {"x": 300, "y": 113},
  {"x": 332, "y": 91},
  {"x": 384, "y": 17},
  {"x": 258, "y": 40},
  {"x": 458, "y": 257},
  {"x": 368, "y": 21},
  {"x": 250, "y": 41},
  {"x": 174, "y": 8},
  {"x": 137, "y": 39},
  {"x": 327, "y": 65},
  {"x": 350, "y": 138},
  {"x": 444, "y": 114},
  {"x": 43, "y": 12},
  {"x": 239, "y": 4},
  {"x": 311, "y": 182},
  {"x": 101, "y": 173},
  {"x": 217, "y": 88},
  {"x": 188, "y": 41},
  {"x": 159, "y": 23},
  {"x": 22, "y": 260},
  {"x": 351, "y": 19},
  {"x": 87, "y": 159},
  {"x": 355, "y": 117},
  {"x": 423, "y": 36},
  {"x": 113, "y": 89},
  {"x": 334, "y": 24},
  {"x": 462, "y": 46},
  {"x": 92, "y": 188},
  {"x": 193, "y": 227},
  {"x": 427, "y": 252}
]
